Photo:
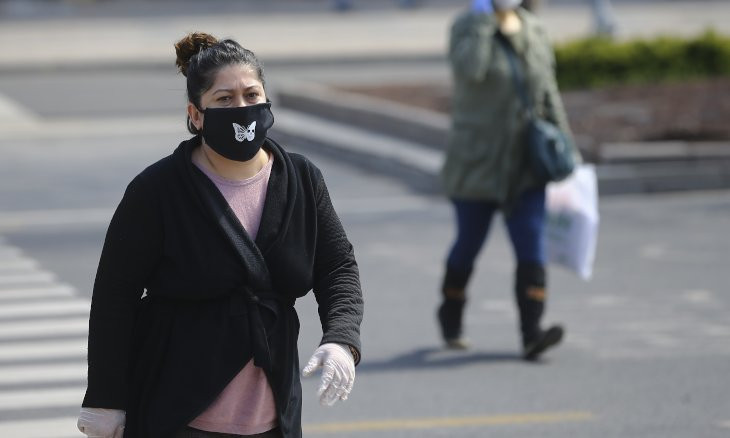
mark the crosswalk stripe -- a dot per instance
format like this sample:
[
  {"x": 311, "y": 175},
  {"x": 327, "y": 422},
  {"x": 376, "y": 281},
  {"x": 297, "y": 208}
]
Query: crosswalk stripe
[
  {"x": 65, "y": 349},
  {"x": 41, "y": 398},
  {"x": 45, "y": 373},
  {"x": 64, "y": 427},
  {"x": 37, "y": 372},
  {"x": 36, "y": 292},
  {"x": 18, "y": 264},
  {"x": 34, "y": 277},
  {"x": 57, "y": 327},
  {"x": 9, "y": 252},
  {"x": 56, "y": 307}
]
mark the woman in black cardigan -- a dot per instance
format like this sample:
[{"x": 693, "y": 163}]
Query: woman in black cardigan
[{"x": 184, "y": 298}]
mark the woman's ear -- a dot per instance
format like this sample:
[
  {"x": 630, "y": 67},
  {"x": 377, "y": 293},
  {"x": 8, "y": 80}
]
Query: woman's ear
[{"x": 196, "y": 116}]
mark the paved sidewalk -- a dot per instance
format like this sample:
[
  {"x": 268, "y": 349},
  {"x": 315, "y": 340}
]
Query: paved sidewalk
[{"x": 39, "y": 35}]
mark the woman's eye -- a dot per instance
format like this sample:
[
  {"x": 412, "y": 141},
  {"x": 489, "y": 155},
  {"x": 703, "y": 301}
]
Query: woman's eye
[
  {"x": 224, "y": 98},
  {"x": 253, "y": 95}
]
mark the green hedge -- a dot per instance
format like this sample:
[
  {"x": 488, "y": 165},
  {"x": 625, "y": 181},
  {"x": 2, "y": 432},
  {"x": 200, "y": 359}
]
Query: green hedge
[{"x": 600, "y": 61}]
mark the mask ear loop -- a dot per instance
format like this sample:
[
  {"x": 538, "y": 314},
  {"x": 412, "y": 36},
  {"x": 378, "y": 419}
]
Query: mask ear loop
[{"x": 193, "y": 128}]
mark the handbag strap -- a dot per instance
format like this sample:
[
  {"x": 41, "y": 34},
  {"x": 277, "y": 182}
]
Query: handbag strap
[{"x": 518, "y": 73}]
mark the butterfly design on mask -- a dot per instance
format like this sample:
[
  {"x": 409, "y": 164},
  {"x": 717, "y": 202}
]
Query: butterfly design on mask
[{"x": 245, "y": 133}]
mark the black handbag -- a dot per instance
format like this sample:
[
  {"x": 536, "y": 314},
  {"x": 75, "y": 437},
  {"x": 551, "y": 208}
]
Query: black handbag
[{"x": 550, "y": 151}]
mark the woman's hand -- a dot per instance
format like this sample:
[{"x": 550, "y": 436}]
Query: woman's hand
[
  {"x": 482, "y": 6},
  {"x": 338, "y": 372},
  {"x": 101, "y": 423}
]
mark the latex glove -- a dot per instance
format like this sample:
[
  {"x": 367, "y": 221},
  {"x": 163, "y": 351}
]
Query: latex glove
[
  {"x": 482, "y": 6},
  {"x": 338, "y": 372},
  {"x": 101, "y": 423}
]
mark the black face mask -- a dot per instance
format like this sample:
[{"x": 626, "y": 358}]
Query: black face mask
[{"x": 237, "y": 133}]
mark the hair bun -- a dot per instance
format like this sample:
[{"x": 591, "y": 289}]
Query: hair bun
[{"x": 189, "y": 46}]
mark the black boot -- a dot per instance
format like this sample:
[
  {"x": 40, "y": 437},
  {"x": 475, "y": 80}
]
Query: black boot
[
  {"x": 450, "y": 312},
  {"x": 530, "y": 293}
]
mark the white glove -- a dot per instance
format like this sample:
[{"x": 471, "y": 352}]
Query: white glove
[
  {"x": 338, "y": 372},
  {"x": 101, "y": 423}
]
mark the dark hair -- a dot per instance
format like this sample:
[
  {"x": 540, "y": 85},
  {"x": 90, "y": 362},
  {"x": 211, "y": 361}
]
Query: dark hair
[{"x": 200, "y": 56}]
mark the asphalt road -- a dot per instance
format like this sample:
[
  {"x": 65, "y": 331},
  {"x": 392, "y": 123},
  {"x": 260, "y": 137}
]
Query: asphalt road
[{"x": 648, "y": 342}]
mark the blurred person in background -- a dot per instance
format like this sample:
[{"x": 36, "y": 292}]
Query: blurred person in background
[
  {"x": 193, "y": 331},
  {"x": 604, "y": 20},
  {"x": 346, "y": 5},
  {"x": 486, "y": 168}
]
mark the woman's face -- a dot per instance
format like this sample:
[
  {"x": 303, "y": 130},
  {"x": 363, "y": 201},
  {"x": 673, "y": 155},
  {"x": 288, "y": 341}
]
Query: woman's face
[{"x": 234, "y": 86}]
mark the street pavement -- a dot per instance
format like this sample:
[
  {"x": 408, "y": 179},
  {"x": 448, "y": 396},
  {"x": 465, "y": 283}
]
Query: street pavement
[
  {"x": 648, "y": 337},
  {"x": 84, "y": 111}
]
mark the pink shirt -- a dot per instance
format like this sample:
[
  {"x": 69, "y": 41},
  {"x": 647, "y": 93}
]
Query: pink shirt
[{"x": 246, "y": 405}]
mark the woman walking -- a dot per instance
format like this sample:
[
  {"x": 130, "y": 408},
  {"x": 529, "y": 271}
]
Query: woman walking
[
  {"x": 193, "y": 331},
  {"x": 487, "y": 169}
]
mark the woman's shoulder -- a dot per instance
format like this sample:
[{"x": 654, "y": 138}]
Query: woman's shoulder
[
  {"x": 305, "y": 167},
  {"x": 532, "y": 22},
  {"x": 162, "y": 168}
]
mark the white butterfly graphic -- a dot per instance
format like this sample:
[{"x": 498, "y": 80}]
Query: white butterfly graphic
[{"x": 245, "y": 133}]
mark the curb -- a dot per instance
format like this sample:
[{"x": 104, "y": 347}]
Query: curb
[
  {"x": 389, "y": 156},
  {"x": 622, "y": 168},
  {"x": 425, "y": 127}
]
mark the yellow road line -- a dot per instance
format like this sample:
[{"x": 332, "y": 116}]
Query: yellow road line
[{"x": 447, "y": 422}]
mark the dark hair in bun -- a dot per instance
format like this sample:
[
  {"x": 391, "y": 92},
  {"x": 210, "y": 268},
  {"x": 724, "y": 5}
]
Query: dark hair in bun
[{"x": 199, "y": 58}]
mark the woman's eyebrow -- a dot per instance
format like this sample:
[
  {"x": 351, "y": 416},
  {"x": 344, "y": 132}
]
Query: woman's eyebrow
[{"x": 229, "y": 90}]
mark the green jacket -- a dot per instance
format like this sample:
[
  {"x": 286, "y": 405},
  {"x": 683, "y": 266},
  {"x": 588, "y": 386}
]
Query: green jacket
[{"x": 486, "y": 157}]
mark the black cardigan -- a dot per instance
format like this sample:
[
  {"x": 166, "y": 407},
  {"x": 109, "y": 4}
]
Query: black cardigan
[{"x": 165, "y": 355}]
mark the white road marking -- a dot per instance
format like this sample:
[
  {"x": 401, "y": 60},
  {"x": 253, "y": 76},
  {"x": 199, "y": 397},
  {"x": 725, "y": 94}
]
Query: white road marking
[
  {"x": 34, "y": 277},
  {"x": 41, "y": 398},
  {"x": 18, "y": 264},
  {"x": 53, "y": 291},
  {"x": 27, "y": 293},
  {"x": 64, "y": 427},
  {"x": 45, "y": 308},
  {"x": 35, "y": 328},
  {"x": 44, "y": 373},
  {"x": 9, "y": 253},
  {"x": 65, "y": 349}
]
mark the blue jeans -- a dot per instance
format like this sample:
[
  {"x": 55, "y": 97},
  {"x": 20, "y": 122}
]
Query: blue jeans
[{"x": 525, "y": 224}]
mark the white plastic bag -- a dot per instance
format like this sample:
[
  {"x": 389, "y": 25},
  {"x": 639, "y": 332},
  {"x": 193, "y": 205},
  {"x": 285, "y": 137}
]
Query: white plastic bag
[{"x": 572, "y": 221}]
